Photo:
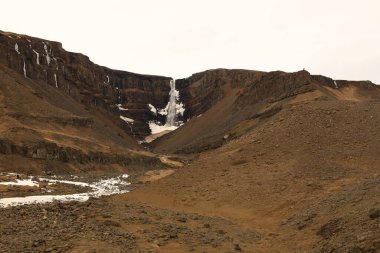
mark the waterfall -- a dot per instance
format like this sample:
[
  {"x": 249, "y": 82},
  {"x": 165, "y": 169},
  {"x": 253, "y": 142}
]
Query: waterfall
[
  {"x": 173, "y": 110},
  {"x": 172, "y": 106}
]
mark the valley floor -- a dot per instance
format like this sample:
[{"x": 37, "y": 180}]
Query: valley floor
[
  {"x": 142, "y": 221},
  {"x": 317, "y": 192}
]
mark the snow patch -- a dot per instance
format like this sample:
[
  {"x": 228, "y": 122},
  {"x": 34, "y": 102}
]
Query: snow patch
[
  {"x": 121, "y": 108},
  {"x": 155, "y": 127},
  {"x": 43, "y": 199},
  {"x": 100, "y": 188},
  {"x": 180, "y": 108},
  {"x": 336, "y": 85},
  {"x": 55, "y": 181},
  {"x": 17, "y": 49},
  {"x": 21, "y": 182},
  {"x": 152, "y": 109},
  {"x": 128, "y": 120},
  {"x": 48, "y": 58}
]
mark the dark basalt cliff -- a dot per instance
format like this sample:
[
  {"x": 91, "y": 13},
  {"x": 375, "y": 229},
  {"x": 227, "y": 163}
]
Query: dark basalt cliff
[
  {"x": 228, "y": 99},
  {"x": 99, "y": 88},
  {"x": 201, "y": 91}
]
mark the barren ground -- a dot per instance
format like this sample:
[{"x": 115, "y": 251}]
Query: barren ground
[{"x": 305, "y": 179}]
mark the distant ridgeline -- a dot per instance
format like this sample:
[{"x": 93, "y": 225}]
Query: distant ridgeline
[{"x": 144, "y": 104}]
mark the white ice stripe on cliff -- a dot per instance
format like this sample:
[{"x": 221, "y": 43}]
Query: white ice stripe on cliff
[
  {"x": 17, "y": 49},
  {"x": 37, "y": 56},
  {"x": 48, "y": 59},
  {"x": 56, "y": 81},
  {"x": 24, "y": 69}
]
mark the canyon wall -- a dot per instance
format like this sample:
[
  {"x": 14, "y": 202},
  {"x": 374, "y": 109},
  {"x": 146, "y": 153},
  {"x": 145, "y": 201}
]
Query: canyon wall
[
  {"x": 125, "y": 97},
  {"x": 111, "y": 92}
]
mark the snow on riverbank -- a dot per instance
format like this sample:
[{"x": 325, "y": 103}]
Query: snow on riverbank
[
  {"x": 104, "y": 187},
  {"x": 21, "y": 182}
]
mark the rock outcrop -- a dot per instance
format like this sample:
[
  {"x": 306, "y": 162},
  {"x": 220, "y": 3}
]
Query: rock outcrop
[{"x": 51, "y": 151}]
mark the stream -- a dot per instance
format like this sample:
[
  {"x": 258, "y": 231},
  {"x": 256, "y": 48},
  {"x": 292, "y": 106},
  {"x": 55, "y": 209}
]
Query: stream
[{"x": 103, "y": 187}]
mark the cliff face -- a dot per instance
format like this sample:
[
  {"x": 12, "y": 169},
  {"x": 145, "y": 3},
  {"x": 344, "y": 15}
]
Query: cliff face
[
  {"x": 111, "y": 92},
  {"x": 201, "y": 91},
  {"x": 218, "y": 101}
]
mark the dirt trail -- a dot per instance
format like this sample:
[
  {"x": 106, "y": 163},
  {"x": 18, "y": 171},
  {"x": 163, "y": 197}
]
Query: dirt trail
[{"x": 166, "y": 160}]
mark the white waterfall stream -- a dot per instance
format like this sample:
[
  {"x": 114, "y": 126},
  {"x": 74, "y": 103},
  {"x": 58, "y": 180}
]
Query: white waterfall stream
[
  {"x": 172, "y": 106},
  {"x": 173, "y": 111}
]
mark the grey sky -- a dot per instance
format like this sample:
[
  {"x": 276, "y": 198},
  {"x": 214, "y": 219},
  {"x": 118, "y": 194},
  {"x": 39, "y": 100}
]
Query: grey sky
[{"x": 337, "y": 38}]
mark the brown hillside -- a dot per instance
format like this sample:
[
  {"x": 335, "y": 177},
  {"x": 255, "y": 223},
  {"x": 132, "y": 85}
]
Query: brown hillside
[
  {"x": 301, "y": 172},
  {"x": 42, "y": 128}
]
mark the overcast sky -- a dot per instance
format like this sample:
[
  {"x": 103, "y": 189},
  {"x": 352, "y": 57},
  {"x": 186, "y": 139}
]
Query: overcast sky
[{"x": 336, "y": 38}]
